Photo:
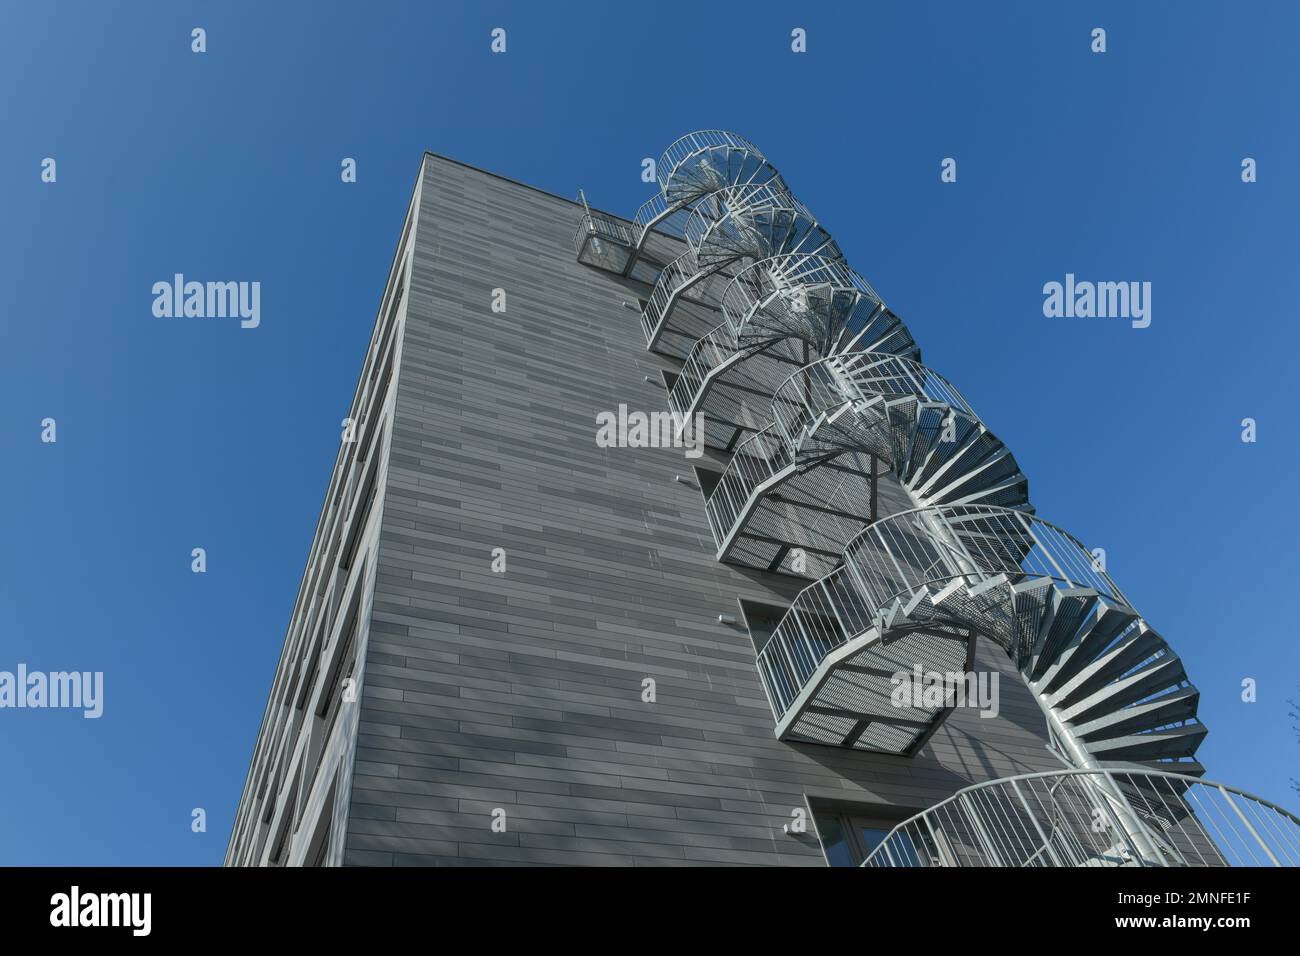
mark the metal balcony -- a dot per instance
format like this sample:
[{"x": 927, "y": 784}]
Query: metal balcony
[
  {"x": 769, "y": 503},
  {"x": 727, "y": 383},
  {"x": 916, "y": 586}
]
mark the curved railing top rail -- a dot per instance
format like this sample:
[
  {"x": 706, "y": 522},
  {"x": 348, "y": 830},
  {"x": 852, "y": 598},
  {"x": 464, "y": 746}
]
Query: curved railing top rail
[
  {"x": 764, "y": 443},
  {"x": 897, "y": 556},
  {"x": 685, "y": 176},
  {"x": 765, "y": 435},
  {"x": 815, "y": 395},
  {"x": 770, "y": 192},
  {"x": 1244, "y": 835},
  {"x": 650, "y": 210},
  {"x": 739, "y": 216},
  {"x": 686, "y": 146},
  {"x": 787, "y": 272},
  {"x": 985, "y": 531},
  {"x": 844, "y": 375}
]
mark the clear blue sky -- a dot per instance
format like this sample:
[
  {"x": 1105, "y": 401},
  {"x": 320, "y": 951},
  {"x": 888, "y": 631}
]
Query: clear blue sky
[{"x": 182, "y": 434}]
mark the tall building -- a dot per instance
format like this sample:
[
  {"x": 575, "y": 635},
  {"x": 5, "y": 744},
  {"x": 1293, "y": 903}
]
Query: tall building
[{"x": 655, "y": 542}]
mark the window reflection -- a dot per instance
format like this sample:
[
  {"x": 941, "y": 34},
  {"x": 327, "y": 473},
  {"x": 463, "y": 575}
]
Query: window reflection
[
  {"x": 848, "y": 839},
  {"x": 835, "y": 842}
]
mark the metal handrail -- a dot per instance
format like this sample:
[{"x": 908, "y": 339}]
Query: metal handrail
[
  {"x": 794, "y": 418},
  {"x": 758, "y": 458},
  {"x": 686, "y": 146},
  {"x": 785, "y": 273},
  {"x": 730, "y": 224},
  {"x": 811, "y": 396},
  {"x": 814, "y": 298},
  {"x": 1099, "y": 817},
  {"x": 674, "y": 278},
  {"x": 797, "y": 416},
  {"x": 594, "y": 223},
  {"x": 650, "y": 210},
  {"x": 668, "y": 209},
  {"x": 898, "y": 557},
  {"x": 709, "y": 353},
  {"x": 726, "y": 229},
  {"x": 985, "y": 532}
]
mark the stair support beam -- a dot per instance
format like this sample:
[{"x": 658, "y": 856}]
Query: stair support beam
[{"x": 1126, "y": 821}]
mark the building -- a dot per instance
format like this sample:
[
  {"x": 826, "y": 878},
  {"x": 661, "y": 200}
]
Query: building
[{"x": 521, "y": 641}]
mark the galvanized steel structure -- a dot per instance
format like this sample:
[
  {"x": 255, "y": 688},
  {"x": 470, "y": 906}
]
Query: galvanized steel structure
[{"x": 816, "y": 389}]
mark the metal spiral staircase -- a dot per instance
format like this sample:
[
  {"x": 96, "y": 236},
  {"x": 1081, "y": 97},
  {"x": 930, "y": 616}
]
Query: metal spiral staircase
[
  {"x": 915, "y": 587},
  {"x": 817, "y": 390},
  {"x": 726, "y": 228},
  {"x": 693, "y": 167},
  {"x": 777, "y": 313}
]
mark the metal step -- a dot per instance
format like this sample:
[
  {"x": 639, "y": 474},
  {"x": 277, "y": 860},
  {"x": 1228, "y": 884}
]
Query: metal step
[
  {"x": 1170, "y": 742},
  {"x": 1131, "y": 650},
  {"x": 1155, "y": 675},
  {"x": 1068, "y": 609},
  {"x": 1106, "y": 621},
  {"x": 1176, "y": 705}
]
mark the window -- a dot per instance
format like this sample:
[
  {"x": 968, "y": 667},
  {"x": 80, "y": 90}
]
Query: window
[
  {"x": 848, "y": 838},
  {"x": 870, "y": 835},
  {"x": 836, "y": 842},
  {"x": 761, "y": 620},
  {"x": 707, "y": 479}
]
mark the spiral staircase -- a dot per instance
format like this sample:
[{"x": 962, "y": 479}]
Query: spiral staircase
[{"x": 817, "y": 391}]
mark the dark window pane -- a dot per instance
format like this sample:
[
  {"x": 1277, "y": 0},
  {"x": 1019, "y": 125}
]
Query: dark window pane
[
  {"x": 871, "y": 837},
  {"x": 834, "y": 842},
  {"x": 904, "y": 851}
]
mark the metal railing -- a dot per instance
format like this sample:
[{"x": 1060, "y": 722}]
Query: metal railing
[
  {"x": 755, "y": 221},
  {"x": 593, "y": 223},
  {"x": 816, "y": 298},
  {"x": 758, "y": 458},
  {"x": 650, "y": 210},
  {"x": 685, "y": 175},
  {"x": 912, "y": 551},
  {"x": 820, "y": 392},
  {"x": 709, "y": 353},
  {"x": 656, "y": 214},
  {"x": 675, "y": 278},
  {"x": 681, "y": 150},
  {"x": 824, "y": 616},
  {"x": 897, "y": 558},
  {"x": 1095, "y": 818},
  {"x": 724, "y": 230}
]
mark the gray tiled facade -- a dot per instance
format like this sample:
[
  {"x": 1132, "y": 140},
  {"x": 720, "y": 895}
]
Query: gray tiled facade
[{"x": 521, "y": 691}]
